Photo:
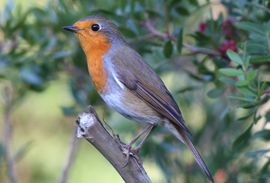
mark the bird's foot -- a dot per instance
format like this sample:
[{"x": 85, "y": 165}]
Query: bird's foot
[{"x": 129, "y": 152}]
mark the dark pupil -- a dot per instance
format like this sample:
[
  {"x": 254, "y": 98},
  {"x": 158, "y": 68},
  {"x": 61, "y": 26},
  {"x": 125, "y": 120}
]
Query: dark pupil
[{"x": 95, "y": 27}]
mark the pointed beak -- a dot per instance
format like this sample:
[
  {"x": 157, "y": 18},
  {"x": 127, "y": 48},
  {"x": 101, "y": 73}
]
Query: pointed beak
[{"x": 71, "y": 28}]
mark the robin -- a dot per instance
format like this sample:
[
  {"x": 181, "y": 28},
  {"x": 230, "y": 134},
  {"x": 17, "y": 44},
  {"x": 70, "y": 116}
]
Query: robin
[{"x": 129, "y": 85}]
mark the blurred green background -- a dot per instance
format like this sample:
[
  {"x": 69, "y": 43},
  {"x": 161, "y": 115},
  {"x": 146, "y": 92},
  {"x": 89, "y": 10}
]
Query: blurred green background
[{"x": 224, "y": 96}]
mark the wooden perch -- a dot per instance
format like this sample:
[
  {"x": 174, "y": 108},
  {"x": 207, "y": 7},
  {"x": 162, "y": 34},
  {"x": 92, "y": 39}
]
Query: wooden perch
[{"x": 90, "y": 127}]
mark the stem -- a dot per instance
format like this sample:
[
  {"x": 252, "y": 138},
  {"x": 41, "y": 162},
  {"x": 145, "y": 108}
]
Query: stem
[
  {"x": 71, "y": 156},
  {"x": 7, "y": 134}
]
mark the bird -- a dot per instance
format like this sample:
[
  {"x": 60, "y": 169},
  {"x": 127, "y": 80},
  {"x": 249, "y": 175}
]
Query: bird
[{"x": 128, "y": 84}]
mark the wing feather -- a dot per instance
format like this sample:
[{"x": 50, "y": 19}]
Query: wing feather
[{"x": 152, "y": 90}]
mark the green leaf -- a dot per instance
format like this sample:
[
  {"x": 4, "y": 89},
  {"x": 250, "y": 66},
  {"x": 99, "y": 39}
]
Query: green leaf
[
  {"x": 252, "y": 74},
  {"x": 243, "y": 139},
  {"x": 245, "y": 117},
  {"x": 267, "y": 116},
  {"x": 227, "y": 80},
  {"x": 31, "y": 75},
  {"x": 194, "y": 2},
  {"x": 246, "y": 92},
  {"x": 235, "y": 57},
  {"x": 69, "y": 110},
  {"x": 242, "y": 83},
  {"x": 244, "y": 99},
  {"x": 182, "y": 10},
  {"x": 263, "y": 134},
  {"x": 265, "y": 168},
  {"x": 260, "y": 59},
  {"x": 251, "y": 27},
  {"x": 214, "y": 93},
  {"x": 180, "y": 41},
  {"x": 231, "y": 72},
  {"x": 258, "y": 153},
  {"x": 127, "y": 32},
  {"x": 168, "y": 49},
  {"x": 189, "y": 88},
  {"x": 153, "y": 14}
]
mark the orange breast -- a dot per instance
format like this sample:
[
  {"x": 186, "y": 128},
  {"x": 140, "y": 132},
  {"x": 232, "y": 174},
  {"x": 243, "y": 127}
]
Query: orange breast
[
  {"x": 96, "y": 68},
  {"x": 95, "y": 51}
]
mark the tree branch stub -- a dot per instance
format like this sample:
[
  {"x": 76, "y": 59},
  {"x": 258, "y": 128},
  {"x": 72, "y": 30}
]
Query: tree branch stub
[{"x": 91, "y": 128}]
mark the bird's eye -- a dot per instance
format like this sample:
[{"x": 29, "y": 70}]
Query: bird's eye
[{"x": 95, "y": 27}]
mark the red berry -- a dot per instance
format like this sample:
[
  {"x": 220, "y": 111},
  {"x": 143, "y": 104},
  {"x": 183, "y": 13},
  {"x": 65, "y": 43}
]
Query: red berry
[
  {"x": 228, "y": 45},
  {"x": 202, "y": 27}
]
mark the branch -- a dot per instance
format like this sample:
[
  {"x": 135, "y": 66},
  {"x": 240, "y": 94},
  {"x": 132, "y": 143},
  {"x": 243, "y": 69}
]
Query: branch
[
  {"x": 166, "y": 36},
  {"x": 111, "y": 148},
  {"x": 71, "y": 156},
  {"x": 201, "y": 50},
  {"x": 7, "y": 133}
]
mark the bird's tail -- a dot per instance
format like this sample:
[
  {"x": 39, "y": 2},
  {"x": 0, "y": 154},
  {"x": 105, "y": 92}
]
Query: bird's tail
[{"x": 183, "y": 136}]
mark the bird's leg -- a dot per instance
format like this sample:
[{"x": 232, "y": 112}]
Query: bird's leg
[{"x": 145, "y": 132}]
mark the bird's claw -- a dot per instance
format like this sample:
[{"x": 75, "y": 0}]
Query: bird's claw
[{"x": 128, "y": 151}]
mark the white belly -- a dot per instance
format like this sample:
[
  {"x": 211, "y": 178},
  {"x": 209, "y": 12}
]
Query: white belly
[{"x": 128, "y": 108}]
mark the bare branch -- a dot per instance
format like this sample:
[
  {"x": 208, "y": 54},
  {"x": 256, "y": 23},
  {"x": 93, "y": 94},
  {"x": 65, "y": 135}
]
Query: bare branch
[
  {"x": 73, "y": 147},
  {"x": 9, "y": 158},
  {"x": 166, "y": 36},
  {"x": 198, "y": 50},
  {"x": 111, "y": 148}
]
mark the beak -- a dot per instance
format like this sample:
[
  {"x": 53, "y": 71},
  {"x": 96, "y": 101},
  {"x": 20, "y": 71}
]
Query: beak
[{"x": 71, "y": 28}]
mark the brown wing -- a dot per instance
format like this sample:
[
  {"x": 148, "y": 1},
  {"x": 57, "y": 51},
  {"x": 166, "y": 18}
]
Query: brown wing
[{"x": 140, "y": 79}]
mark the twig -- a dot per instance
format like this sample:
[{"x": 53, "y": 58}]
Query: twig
[
  {"x": 73, "y": 147},
  {"x": 206, "y": 51},
  {"x": 7, "y": 133},
  {"x": 166, "y": 36},
  {"x": 90, "y": 127}
]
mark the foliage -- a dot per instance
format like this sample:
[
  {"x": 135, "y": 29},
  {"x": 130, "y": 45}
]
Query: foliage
[{"x": 229, "y": 57}]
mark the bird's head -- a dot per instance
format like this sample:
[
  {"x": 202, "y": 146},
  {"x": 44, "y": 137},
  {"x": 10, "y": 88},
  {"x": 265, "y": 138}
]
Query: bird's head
[{"x": 95, "y": 32}]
